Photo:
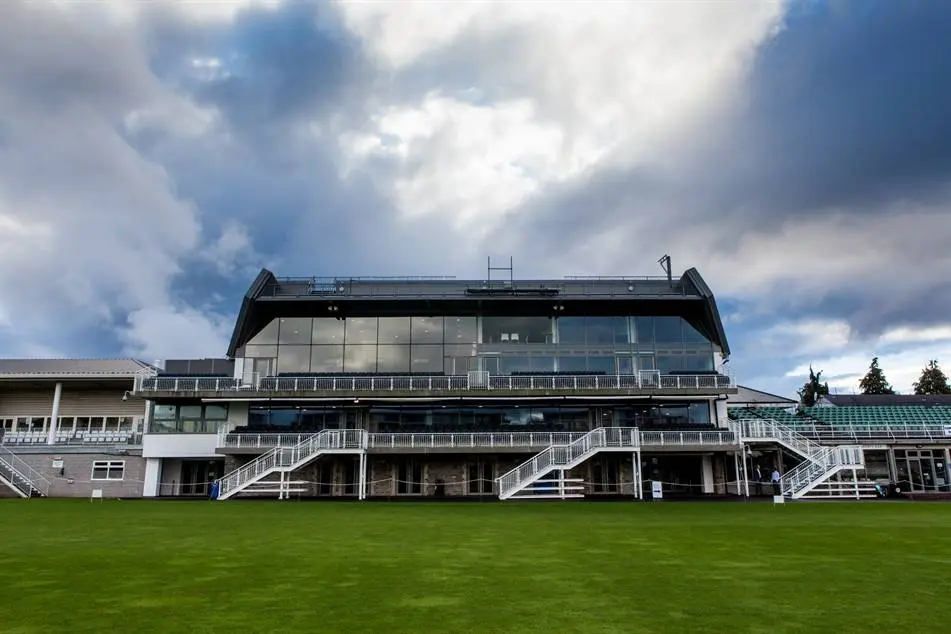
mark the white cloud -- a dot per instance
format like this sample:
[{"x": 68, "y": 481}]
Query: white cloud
[
  {"x": 563, "y": 87},
  {"x": 232, "y": 253},
  {"x": 912, "y": 335},
  {"x": 902, "y": 353},
  {"x": 480, "y": 161},
  {"x": 808, "y": 337},
  {"x": 175, "y": 333}
]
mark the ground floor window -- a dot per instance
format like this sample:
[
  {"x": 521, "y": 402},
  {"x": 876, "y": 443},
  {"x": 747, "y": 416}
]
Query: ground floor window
[{"x": 108, "y": 469}]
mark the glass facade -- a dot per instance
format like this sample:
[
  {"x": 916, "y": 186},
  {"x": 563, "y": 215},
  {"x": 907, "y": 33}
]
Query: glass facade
[
  {"x": 442, "y": 419},
  {"x": 187, "y": 419},
  {"x": 498, "y": 345}
]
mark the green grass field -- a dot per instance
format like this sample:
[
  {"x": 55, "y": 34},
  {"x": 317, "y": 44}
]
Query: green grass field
[{"x": 242, "y": 566}]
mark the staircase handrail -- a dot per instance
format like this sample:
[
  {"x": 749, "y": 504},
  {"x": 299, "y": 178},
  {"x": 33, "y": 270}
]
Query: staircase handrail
[
  {"x": 808, "y": 472},
  {"x": 561, "y": 455},
  {"x": 288, "y": 457},
  {"x": 28, "y": 473},
  {"x": 769, "y": 428}
]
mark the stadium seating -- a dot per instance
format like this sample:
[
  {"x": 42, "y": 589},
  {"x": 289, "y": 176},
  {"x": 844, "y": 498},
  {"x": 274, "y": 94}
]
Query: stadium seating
[
  {"x": 112, "y": 437},
  {"x": 874, "y": 416}
]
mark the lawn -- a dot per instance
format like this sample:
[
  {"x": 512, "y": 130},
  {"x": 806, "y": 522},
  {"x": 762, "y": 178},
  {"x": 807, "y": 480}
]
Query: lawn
[{"x": 244, "y": 566}]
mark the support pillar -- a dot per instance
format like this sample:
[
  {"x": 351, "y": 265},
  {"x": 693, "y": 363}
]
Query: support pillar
[
  {"x": 639, "y": 477},
  {"x": 707, "y": 472},
  {"x": 54, "y": 415},
  {"x": 362, "y": 490},
  {"x": 736, "y": 471},
  {"x": 153, "y": 471}
]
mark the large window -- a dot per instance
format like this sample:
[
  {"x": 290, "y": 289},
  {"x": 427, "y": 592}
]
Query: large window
[
  {"x": 393, "y": 330},
  {"x": 669, "y": 332},
  {"x": 516, "y": 330},
  {"x": 267, "y": 335},
  {"x": 187, "y": 419},
  {"x": 426, "y": 358},
  {"x": 361, "y": 330},
  {"x": 418, "y": 418},
  {"x": 328, "y": 331},
  {"x": 669, "y": 416},
  {"x": 293, "y": 419},
  {"x": 296, "y": 331},
  {"x": 326, "y": 358},
  {"x": 293, "y": 359},
  {"x": 111, "y": 470},
  {"x": 427, "y": 330}
]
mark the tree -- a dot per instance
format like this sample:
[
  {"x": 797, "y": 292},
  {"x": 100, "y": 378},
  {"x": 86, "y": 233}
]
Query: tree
[
  {"x": 813, "y": 389},
  {"x": 874, "y": 380},
  {"x": 932, "y": 380}
]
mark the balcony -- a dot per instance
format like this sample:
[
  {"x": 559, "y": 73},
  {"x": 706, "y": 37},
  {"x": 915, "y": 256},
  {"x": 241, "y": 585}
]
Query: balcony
[
  {"x": 475, "y": 384},
  {"x": 481, "y": 441}
]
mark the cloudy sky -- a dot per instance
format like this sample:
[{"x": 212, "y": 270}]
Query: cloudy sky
[{"x": 154, "y": 155}]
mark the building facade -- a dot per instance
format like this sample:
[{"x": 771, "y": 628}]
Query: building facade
[
  {"x": 71, "y": 426},
  {"x": 409, "y": 388},
  {"x": 445, "y": 386}
]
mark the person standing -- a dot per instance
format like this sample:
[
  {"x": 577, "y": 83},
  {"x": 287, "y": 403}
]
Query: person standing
[{"x": 776, "y": 478}]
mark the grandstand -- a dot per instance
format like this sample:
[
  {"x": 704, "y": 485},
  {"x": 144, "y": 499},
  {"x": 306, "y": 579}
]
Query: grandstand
[
  {"x": 905, "y": 438},
  {"x": 68, "y": 427},
  {"x": 394, "y": 388}
]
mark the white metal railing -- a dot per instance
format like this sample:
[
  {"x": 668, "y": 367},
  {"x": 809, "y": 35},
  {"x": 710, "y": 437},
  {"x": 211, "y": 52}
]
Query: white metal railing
[
  {"x": 687, "y": 438},
  {"x": 771, "y": 430},
  {"x": 478, "y": 440},
  {"x": 289, "y": 458},
  {"x": 477, "y": 381},
  {"x": 858, "y": 433},
  {"x": 826, "y": 462},
  {"x": 566, "y": 456},
  {"x": 22, "y": 475}
]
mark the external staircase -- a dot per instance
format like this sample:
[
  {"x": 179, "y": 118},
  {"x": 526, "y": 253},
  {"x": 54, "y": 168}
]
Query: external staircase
[
  {"x": 20, "y": 477},
  {"x": 253, "y": 476},
  {"x": 530, "y": 480},
  {"x": 819, "y": 462}
]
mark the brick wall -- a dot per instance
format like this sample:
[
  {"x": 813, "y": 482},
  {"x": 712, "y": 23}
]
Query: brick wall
[{"x": 76, "y": 478}]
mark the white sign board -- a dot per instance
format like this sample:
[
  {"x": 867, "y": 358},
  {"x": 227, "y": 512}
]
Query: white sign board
[
  {"x": 57, "y": 463},
  {"x": 657, "y": 490}
]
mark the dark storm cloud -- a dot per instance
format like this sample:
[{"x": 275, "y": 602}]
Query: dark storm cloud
[{"x": 847, "y": 109}]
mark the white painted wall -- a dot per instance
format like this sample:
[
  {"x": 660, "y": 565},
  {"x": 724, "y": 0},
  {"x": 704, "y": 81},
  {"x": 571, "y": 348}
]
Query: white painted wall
[
  {"x": 180, "y": 446},
  {"x": 721, "y": 412}
]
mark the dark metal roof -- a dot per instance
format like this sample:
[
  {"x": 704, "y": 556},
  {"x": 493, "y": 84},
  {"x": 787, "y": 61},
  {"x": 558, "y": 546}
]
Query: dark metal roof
[{"x": 270, "y": 297}]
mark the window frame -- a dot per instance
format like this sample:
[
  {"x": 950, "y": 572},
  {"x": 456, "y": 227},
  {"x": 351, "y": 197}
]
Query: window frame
[{"x": 108, "y": 466}]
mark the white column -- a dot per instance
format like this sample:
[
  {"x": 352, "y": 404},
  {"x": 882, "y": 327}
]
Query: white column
[
  {"x": 54, "y": 415},
  {"x": 708, "y": 474},
  {"x": 153, "y": 469}
]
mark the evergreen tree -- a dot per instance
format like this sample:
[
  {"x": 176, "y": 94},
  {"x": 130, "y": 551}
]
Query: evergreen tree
[
  {"x": 813, "y": 389},
  {"x": 874, "y": 380},
  {"x": 932, "y": 381}
]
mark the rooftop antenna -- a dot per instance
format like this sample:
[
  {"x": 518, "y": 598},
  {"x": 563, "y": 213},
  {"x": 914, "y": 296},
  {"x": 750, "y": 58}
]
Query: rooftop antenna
[
  {"x": 510, "y": 268},
  {"x": 665, "y": 264}
]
